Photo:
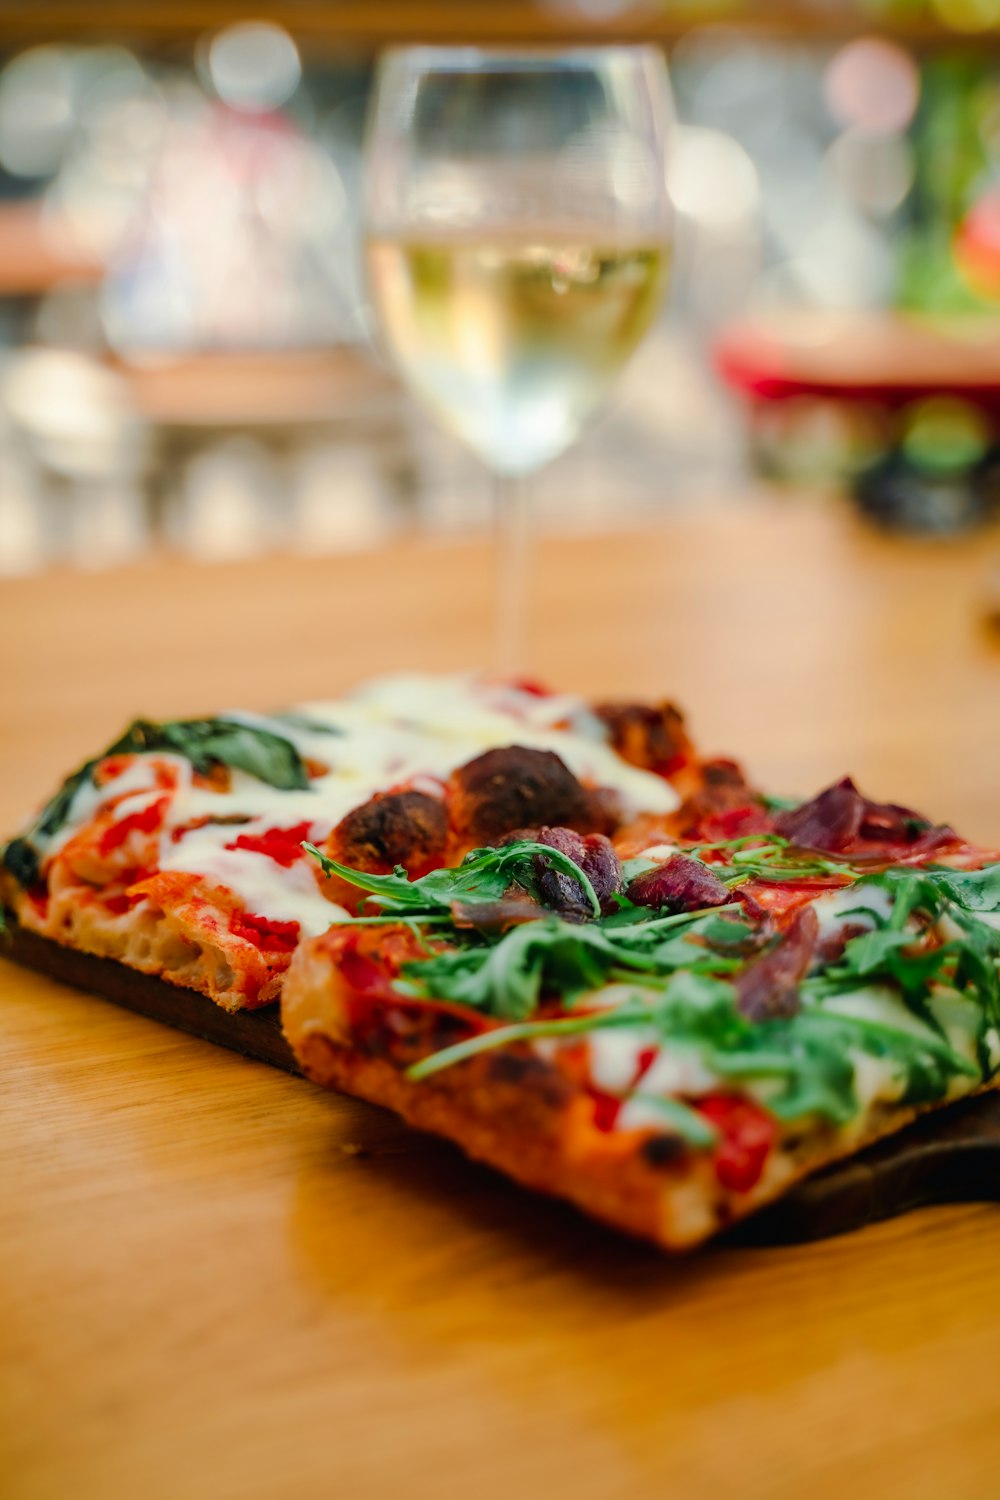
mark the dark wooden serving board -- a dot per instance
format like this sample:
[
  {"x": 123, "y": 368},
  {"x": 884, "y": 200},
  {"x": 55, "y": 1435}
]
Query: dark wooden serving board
[{"x": 950, "y": 1156}]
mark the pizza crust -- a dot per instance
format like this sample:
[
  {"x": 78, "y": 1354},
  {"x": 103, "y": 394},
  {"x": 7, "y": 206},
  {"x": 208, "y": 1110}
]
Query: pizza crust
[
  {"x": 535, "y": 1125},
  {"x": 185, "y": 947}
]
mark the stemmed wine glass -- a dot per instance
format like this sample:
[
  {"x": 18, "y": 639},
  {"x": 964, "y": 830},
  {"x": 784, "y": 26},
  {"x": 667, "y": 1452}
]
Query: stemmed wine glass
[{"x": 518, "y": 235}]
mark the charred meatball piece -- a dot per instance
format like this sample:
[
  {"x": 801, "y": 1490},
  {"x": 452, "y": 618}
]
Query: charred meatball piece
[
  {"x": 517, "y": 787},
  {"x": 647, "y": 735},
  {"x": 394, "y": 828}
]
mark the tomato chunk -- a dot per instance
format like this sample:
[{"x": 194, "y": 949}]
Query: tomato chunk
[{"x": 747, "y": 1135}]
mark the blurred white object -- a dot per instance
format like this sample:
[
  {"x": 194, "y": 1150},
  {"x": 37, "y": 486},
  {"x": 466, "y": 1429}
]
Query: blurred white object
[
  {"x": 25, "y": 543},
  {"x": 341, "y": 500},
  {"x": 225, "y": 502},
  {"x": 713, "y": 181},
  {"x": 73, "y": 413},
  {"x": 243, "y": 241},
  {"x": 253, "y": 65},
  {"x": 73, "y": 419}
]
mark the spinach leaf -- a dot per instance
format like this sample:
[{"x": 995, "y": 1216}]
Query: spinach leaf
[
  {"x": 260, "y": 752},
  {"x": 308, "y": 726}
]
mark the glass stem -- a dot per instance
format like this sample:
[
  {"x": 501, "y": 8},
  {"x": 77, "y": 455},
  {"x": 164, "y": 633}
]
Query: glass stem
[{"x": 510, "y": 535}]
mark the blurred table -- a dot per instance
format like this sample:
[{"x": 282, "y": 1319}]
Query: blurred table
[
  {"x": 278, "y": 388},
  {"x": 217, "y": 1281}
]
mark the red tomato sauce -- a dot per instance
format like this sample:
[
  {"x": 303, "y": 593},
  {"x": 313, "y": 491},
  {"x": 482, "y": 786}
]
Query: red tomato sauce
[
  {"x": 263, "y": 932},
  {"x": 283, "y": 845}
]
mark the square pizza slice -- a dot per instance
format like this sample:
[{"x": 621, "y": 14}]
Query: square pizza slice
[
  {"x": 179, "y": 850},
  {"x": 671, "y": 1026}
]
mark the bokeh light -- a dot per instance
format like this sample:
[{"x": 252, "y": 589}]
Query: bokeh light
[
  {"x": 876, "y": 173},
  {"x": 253, "y": 65},
  {"x": 712, "y": 179},
  {"x": 873, "y": 86},
  {"x": 944, "y": 434},
  {"x": 977, "y": 246},
  {"x": 967, "y": 15},
  {"x": 36, "y": 111}
]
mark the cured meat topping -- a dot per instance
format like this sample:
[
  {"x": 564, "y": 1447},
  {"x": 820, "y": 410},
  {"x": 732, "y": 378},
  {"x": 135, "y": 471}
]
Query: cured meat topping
[
  {"x": 768, "y": 988},
  {"x": 681, "y": 884},
  {"x": 841, "y": 818},
  {"x": 596, "y": 858}
]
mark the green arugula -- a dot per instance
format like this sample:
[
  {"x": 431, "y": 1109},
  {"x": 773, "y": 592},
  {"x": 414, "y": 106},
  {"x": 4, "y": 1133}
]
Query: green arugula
[
  {"x": 682, "y": 967},
  {"x": 258, "y": 751},
  {"x": 508, "y": 978},
  {"x": 484, "y": 875},
  {"x": 769, "y": 856}
]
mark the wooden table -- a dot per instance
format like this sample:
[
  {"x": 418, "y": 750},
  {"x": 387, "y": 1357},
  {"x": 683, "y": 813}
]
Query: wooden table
[{"x": 216, "y": 1281}]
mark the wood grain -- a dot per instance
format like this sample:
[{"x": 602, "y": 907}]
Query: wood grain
[{"x": 216, "y": 1281}]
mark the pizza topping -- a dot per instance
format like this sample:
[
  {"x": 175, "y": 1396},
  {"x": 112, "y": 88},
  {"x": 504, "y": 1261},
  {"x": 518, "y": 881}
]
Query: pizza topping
[
  {"x": 400, "y": 828},
  {"x": 681, "y": 884},
  {"x": 484, "y": 875},
  {"x": 690, "y": 1009},
  {"x": 652, "y": 737},
  {"x": 840, "y": 819},
  {"x": 723, "y": 805},
  {"x": 283, "y": 845},
  {"x": 263, "y": 932},
  {"x": 492, "y": 918},
  {"x": 593, "y": 854},
  {"x": 516, "y": 787},
  {"x": 768, "y": 988},
  {"x": 147, "y": 819},
  {"x": 747, "y": 1134}
]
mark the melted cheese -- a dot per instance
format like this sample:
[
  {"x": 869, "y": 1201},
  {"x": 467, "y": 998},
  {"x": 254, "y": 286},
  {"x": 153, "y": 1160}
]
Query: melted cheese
[
  {"x": 412, "y": 728},
  {"x": 855, "y": 904}
]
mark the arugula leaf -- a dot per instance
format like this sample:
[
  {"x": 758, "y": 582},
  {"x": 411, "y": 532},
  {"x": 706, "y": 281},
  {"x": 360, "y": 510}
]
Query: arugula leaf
[
  {"x": 872, "y": 951},
  {"x": 972, "y": 890},
  {"x": 483, "y": 875},
  {"x": 552, "y": 956},
  {"x": 506, "y": 980},
  {"x": 503, "y": 1036},
  {"x": 775, "y": 803},
  {"x": 768, "y": 856}
]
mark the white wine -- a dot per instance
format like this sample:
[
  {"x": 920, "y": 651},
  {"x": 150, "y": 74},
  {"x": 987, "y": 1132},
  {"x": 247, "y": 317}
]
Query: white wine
[{"x": 512, "y": 343}]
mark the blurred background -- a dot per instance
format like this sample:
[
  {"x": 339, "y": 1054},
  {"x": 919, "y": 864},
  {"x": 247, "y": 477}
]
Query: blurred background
[{"x": 186, "y": 350}]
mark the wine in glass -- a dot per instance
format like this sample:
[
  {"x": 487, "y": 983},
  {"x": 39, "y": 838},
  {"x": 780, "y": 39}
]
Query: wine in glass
[{"x": 517, "y": 247}]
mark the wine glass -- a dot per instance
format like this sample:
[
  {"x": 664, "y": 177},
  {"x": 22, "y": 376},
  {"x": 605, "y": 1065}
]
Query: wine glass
[{"x": 518, "y": 237}]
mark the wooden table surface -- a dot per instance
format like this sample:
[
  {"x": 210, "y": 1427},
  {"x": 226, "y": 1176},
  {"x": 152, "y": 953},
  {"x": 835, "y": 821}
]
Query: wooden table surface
[{"x": 216, "y": 1281}]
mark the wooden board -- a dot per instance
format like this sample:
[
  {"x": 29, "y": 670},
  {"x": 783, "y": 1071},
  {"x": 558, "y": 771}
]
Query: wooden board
[{"x": 952, "y": 1156}]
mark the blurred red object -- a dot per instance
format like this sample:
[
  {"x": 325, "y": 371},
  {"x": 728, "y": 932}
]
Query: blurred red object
[{"x": 883, "y": 357}]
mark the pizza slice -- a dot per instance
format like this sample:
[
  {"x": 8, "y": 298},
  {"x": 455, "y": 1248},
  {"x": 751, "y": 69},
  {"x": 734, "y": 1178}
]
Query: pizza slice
[
  {"x": 179, "y": 850},
  {"x": 668, "y": 1028}
]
